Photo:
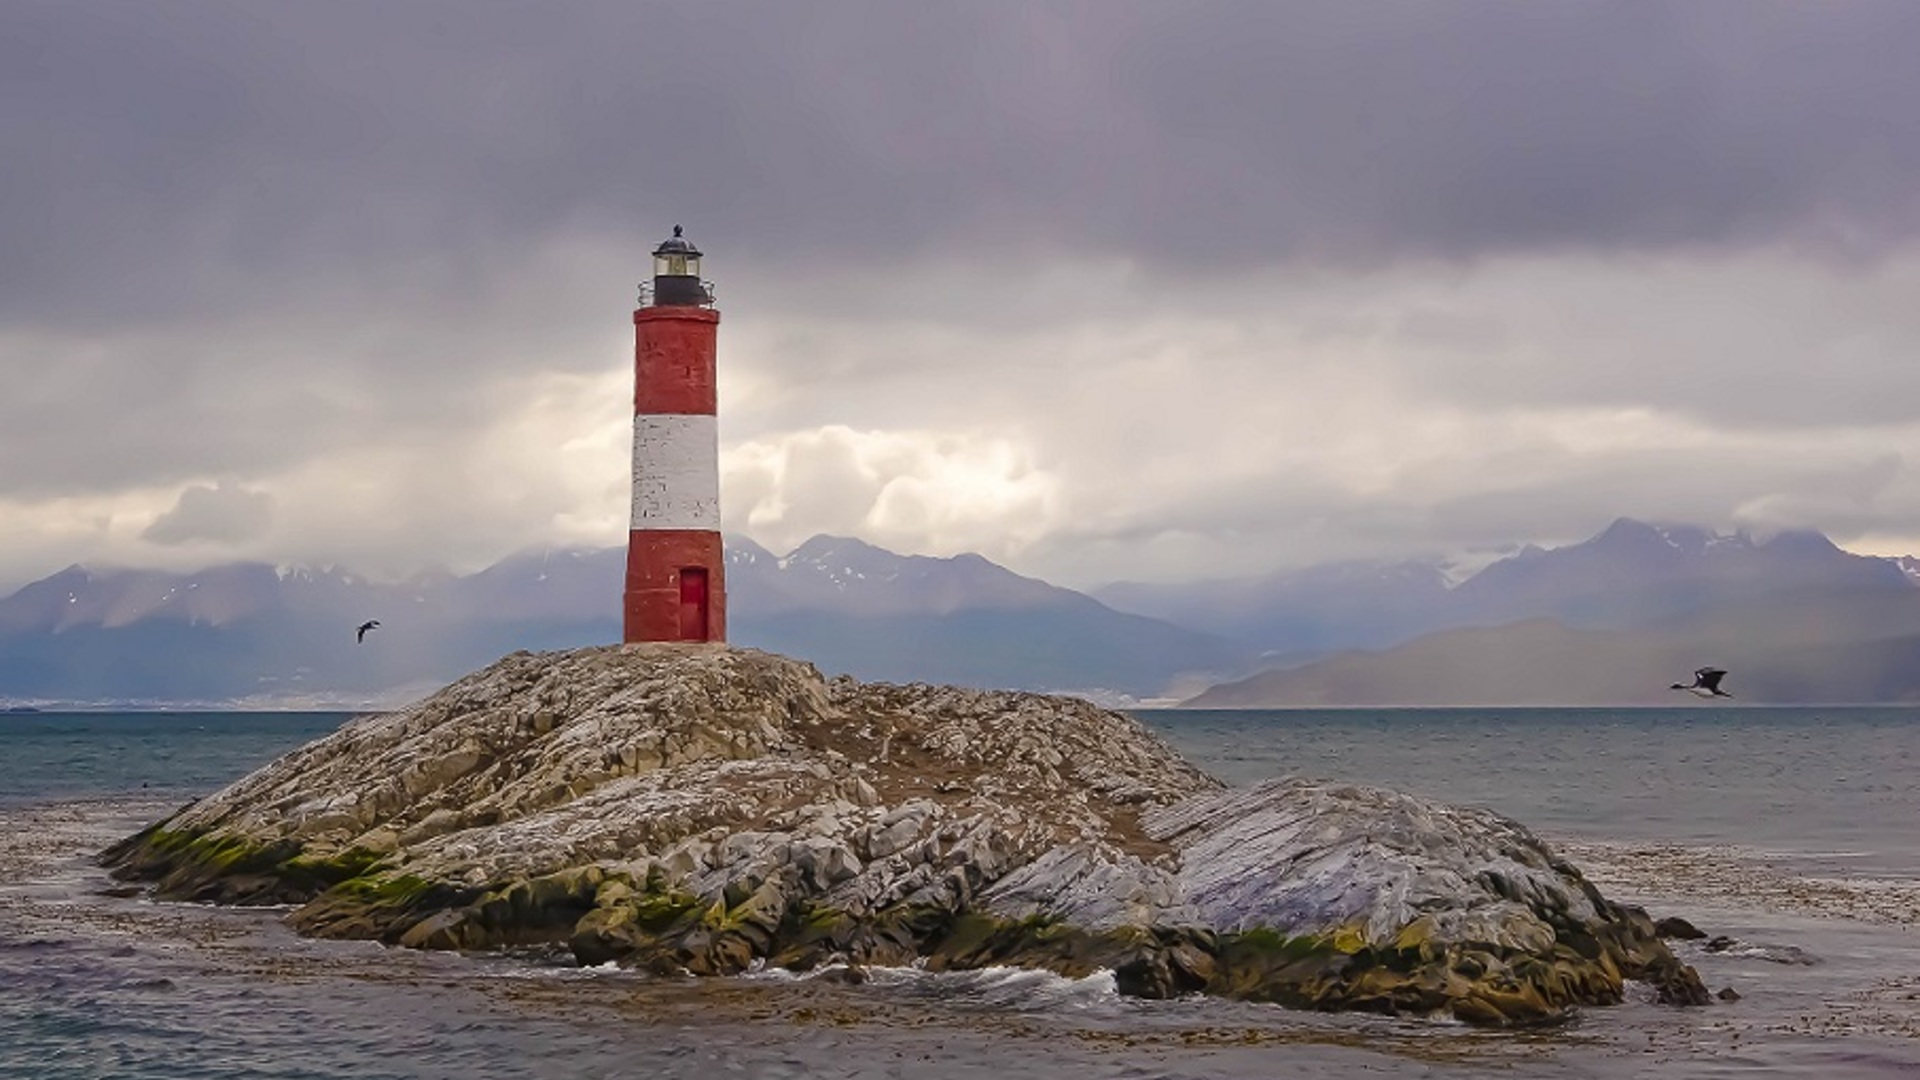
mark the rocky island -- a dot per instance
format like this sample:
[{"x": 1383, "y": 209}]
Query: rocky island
[{"x": 707, "y": 809}]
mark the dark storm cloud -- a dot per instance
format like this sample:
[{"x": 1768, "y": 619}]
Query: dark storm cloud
[
  {"x": 170, "y": 158},
  {"x": 1451, "y": 271}
]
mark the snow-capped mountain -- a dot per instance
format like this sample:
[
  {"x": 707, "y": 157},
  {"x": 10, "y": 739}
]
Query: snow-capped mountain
[
  {"x": 1632, "y": 573},
  {"x": 1615, "y": 619},
  {"x": 257, "y": 632},
  {"x": 1353, "y": 631}
]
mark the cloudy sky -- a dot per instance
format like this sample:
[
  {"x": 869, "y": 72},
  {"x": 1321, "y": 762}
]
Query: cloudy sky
[{"x": 1101, "y": 290}]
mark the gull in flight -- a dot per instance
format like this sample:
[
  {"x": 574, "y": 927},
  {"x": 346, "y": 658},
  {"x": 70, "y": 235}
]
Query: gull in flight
[{"x": 1706, "y": 683}]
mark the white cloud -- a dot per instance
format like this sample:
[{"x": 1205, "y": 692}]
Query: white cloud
[
  {"x": 1293, "y": 417},
  {"x": 1082, "y": 423},
  {"x": 928, "y": 492},
  {"x": 222, "y": 515}
]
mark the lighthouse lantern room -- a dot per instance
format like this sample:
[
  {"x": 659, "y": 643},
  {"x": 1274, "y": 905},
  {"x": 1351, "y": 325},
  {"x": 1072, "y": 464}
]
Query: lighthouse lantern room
[
  {"x": 676, "y": 272},
  {"x": 676, "y": 583}
]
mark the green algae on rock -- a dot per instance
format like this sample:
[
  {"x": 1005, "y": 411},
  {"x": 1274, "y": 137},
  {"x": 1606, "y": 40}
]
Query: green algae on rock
[{"x": 700, "y": 808}]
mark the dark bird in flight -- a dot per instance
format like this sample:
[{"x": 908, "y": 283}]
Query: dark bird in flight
[
  {"x": 361, "y": 634},
  {"x": 1706, "y": 683}
]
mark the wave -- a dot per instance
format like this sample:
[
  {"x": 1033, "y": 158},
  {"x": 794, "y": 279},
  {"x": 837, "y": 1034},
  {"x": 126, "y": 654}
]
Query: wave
[{"x": 1739, "y": 877}]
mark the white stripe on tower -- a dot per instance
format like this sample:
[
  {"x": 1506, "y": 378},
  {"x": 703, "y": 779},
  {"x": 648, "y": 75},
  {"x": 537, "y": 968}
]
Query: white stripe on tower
[{"x": 676, "y": 471}]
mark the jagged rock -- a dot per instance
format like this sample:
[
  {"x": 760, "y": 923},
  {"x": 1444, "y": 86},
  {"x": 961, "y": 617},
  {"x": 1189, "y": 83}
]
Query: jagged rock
[
  {"x": 1675, "y": 928},
  {"x": 700, "y": 809}
]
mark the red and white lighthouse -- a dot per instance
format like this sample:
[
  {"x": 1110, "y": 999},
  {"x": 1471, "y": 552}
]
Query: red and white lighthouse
[{"x": 676, "y": 572}]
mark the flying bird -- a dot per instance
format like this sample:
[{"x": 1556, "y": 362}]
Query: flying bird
[
  {"x": 361, "y": 634},
  {"x": 1706, "y": 683}
]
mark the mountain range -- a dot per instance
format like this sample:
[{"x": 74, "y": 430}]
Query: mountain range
[
  {"x": 1610, "y": 620},
  {"x": 252, "y": 633},
  {"x": 1620, "y": 617}
]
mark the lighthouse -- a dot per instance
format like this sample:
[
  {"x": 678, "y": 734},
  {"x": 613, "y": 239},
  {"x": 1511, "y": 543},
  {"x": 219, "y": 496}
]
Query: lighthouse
[{"x": 676, "y": 573}]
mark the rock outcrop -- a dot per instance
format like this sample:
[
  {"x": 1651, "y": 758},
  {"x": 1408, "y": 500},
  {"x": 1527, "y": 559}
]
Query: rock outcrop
[{"x": 704, "y": 809}]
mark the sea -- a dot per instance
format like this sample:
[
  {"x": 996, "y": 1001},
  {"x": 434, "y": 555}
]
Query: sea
[{"x": 1791, "y": 836}]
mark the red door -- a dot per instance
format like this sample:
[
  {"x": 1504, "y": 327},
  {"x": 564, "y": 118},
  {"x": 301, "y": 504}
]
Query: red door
[{"x": 693, "y": 604}]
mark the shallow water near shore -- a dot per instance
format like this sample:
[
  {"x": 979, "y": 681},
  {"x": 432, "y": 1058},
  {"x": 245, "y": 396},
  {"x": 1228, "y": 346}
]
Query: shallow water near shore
[{"x": 1789, "y": 833}]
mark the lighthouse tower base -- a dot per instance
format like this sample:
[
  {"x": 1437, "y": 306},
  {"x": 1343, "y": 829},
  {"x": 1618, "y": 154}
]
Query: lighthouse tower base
[{"x": 676, "y": 586}]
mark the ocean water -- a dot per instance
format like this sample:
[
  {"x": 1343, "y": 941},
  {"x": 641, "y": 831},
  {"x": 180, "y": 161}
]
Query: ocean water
[{"x": 1794, "y": 834}]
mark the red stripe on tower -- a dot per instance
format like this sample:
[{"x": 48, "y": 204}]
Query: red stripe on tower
[{"x": 676, "y": 569}]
